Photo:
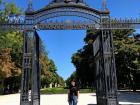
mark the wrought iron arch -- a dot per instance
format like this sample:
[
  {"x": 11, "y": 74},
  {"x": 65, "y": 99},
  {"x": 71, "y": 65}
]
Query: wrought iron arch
[
  {"x": 58, "y": 10},
  {"x": 58, "y": 14},
  {"x": 102, "y": 53}
]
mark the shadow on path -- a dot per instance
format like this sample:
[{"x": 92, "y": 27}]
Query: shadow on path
[
  {"x": 91, "y": 104},
  {"x": 129, "y": 97},
  {"x": 125, "y": 96},
  {"x": 94, "y": 95}
]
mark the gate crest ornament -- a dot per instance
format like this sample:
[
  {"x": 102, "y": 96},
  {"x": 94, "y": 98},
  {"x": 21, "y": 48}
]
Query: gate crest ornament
[{"x": 67, "y": 1}]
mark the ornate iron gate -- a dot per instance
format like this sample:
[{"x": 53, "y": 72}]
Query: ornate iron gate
[{"x": 106, "y": 81}]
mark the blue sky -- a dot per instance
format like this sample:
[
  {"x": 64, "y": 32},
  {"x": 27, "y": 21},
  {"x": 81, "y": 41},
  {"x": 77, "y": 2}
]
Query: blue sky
[{"x": 62, "y": 44}]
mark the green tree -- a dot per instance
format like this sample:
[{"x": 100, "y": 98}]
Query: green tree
[
  {"x": 11, "y": 44},
  {"x": 83, "y": 61},
  {"x": 7, "y": 67},
  {"x": 69, "y": 79},
  {"x": 11, "y": 8},
  {"x": 127, "y": 55},
  {"x": 49, "y": 72},
  {"x": 127, "y": 50},
  {"x": 13, "y": 40}
]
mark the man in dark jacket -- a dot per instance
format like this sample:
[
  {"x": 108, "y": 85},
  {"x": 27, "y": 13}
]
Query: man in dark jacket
[{"x": 73, "y": 93}]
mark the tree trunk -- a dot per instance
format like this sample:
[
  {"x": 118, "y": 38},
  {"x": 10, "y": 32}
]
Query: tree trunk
[
  {"x": 134, "y": 81},
  {"x": 2, "y": 87}
]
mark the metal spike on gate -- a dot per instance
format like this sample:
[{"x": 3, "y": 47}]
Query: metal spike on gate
[
  {"x": 30, "y": 6},
  {"x": 104, "y": 5}
]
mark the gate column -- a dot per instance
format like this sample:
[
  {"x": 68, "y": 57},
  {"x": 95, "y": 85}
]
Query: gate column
[
  {"x": 35, "y": 95},
  {"x": 27, "y": 55},
  {"x": 106, "y": 82}
]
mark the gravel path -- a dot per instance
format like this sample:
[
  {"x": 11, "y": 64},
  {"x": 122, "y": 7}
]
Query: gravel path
[{"x": 84, "y": 99}]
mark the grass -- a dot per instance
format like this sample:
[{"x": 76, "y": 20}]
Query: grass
[
  {"x": 54, "y": 91},
  {"x": 61, "y": 91}
]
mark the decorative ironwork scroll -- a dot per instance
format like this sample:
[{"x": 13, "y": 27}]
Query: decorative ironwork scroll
[{"x": 73, "y": 25}]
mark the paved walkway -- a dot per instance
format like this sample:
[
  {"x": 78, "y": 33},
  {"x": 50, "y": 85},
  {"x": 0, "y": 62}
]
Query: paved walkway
[{"x": 84, "y": 99}]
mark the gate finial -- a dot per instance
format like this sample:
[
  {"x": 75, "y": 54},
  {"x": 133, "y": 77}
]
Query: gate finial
[
  {"x": 104, "y": 5},
  {"x": 30, "y": 6}
]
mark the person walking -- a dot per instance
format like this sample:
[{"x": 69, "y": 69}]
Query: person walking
[{"x": 73, "y": 93}]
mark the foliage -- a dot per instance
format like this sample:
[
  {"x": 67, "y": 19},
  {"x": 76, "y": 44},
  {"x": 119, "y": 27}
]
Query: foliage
[
  {"x": 127, "y": 55},
  {"x": 11, "y": 8},
  {"x": 69, "y": 79},
  {"x": 11, "y": 51},
  {"x": 83, "y": 61},
  {"x": 7, "y": 66},
  {"x": 10, "y": 48},
  {"x": 48, "y": 72},
  {"x": 8, "y": 9},
  {"x": 13, "y": 40}
]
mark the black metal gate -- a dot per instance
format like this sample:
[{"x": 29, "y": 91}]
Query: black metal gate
[{"x": 106, "y": 81}]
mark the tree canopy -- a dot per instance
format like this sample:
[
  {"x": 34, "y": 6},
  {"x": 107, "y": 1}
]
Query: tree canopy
[
  {"x": 127, "y": 49},
  {"x": 11, "y": 55},
  {"x": 127, "y": 55}
]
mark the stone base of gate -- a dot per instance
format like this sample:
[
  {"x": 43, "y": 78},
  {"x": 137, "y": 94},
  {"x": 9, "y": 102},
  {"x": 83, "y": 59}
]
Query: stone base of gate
[
  {"x": 26, "y": 103},
  {"x": 36, "y": 102},
  {"x": 107, "y": 101}
]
